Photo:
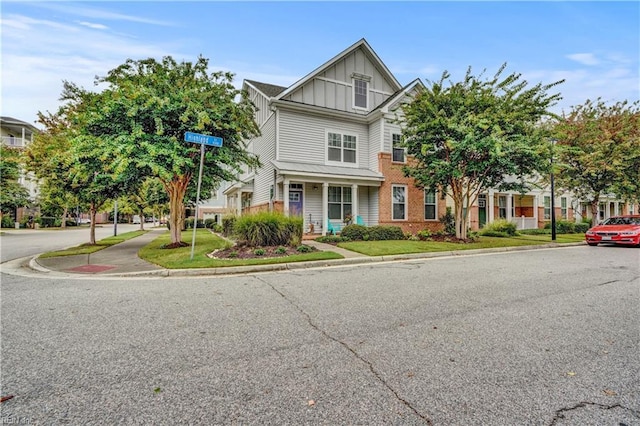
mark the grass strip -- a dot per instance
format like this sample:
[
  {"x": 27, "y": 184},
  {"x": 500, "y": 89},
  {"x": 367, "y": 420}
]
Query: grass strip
[
  {"x": 207, "y": 242},
  {"x": 92, "y": 248},
  {"x": 386, "y": 248}
]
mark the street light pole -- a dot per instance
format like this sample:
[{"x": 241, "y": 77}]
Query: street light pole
[
  {"x": 553, "y": 197},
  {"x": 115, "y": 218}
]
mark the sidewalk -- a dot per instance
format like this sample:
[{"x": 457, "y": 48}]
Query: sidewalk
[{"x": 122, "y": 260}]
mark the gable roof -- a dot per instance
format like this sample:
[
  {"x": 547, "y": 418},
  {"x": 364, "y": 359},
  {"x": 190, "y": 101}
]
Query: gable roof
[
  {"x": 268, "y": 90},
  {"x": 362, "y": 43},
  {"x": 17, "y": 125},
  {"x": 415, "y": 84}
]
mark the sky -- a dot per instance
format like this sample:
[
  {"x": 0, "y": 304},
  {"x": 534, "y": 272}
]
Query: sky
[{"x": 594, "y": 46}]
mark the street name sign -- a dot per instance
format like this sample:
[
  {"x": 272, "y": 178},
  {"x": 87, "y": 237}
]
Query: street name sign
[{"x": 203, "y": 139}]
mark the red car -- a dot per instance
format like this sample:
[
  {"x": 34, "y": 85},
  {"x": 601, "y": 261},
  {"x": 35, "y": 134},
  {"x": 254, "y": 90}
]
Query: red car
[{"x": 617, "y": 230}]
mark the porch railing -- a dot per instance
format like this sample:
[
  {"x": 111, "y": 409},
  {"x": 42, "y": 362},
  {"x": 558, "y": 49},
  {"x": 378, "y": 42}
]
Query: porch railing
[
  {"x": 523, "y": 222},
  {"x": 13, "y": 141}
]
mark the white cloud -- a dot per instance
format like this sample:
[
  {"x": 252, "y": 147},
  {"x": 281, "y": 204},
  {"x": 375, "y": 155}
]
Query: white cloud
[
  {"x": 87, "y": 12},
  {"x": 38, "y": 54},
  {"x": 94, "y": 26},
  {"x": 584, "y": 58}
]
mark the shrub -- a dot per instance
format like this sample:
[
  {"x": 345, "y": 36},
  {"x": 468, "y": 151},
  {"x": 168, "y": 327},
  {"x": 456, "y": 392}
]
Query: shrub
[
  {"x": 331, "y": 239},
  {"x": 500, "y": 226},
  {"x": 281, "y": 250},
  {"x": 535, "y": 231},
  {"x": 7, "y": 222},
  {"x": 269, "y": 229},
  {"x": 228, "y": 223},
  {"x": 424, "y": 235},
  {"x": 259, "y": 252},
  {"x": 581, "y": 227},
  {"x": 209, "y": 223},
  {"x": 304, "y": 249},
  {"x": 379, "y": 233},
  {"x": 188, "y": 223},
  {"x": 49, "y": 222},
  {"x": 354, "y": 232},
  {"x": 565, "y": 227},
  {"x": 449, "y": 222}
]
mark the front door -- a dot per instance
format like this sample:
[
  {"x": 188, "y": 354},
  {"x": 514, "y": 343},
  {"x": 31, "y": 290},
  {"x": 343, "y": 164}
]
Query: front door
[
  {"x": 482, "y": 210},
  {"x": 295, "y": 203}
]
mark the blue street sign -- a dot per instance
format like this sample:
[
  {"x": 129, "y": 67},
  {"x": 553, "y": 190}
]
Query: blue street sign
[{"x": 203, "y": 139}]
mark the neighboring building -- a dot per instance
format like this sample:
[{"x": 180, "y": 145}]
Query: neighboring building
[
  {"x": 215, "y": 207},
  {"x": 329, "y": 148},
  {"x": 18, "y": 134}
]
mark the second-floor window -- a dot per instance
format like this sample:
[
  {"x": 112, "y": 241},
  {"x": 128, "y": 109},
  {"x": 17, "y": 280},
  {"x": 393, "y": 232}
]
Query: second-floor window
[
  {"x": 398, "y": 150},
  {"x": 341, "y": 148}
]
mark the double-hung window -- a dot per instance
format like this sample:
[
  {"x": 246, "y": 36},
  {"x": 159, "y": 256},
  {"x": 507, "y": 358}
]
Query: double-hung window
[
  {"x": 341, "y": 148},
  {"x": 502, "y": 206},
  {"x": 563, "y": 208},
  {"x": 399, "y": 202},
  {"x": 360, "y": 90},
  {"x": 547, "y": 207},
  {"x": 339, "y": 202},
  {"x": 430, "y": 206},
  {"x": 398, "y": 150}
]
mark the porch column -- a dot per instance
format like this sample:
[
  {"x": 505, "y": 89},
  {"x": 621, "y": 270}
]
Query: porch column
[
  {"x": 354, "y": 203},
  {"x": 325, "y": 207},
  {"x": 490, "y": 204},
  {"x": 286, "y": 197},
  {"x": 509, "y": 207},
  {"x": 239, "y": 202},
  {"x": 535, "y": 208}
]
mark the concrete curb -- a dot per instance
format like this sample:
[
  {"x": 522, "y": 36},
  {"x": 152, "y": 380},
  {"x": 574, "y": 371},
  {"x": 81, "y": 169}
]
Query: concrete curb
[{"x": 235, "y": 270}]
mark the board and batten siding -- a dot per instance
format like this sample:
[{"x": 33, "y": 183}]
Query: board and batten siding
[
  {"x": 264, "y": 147},
  {"x": 263, "y": 112},
  {"x": 303, "y": 137},
  {"x": 333, "y": 88}
]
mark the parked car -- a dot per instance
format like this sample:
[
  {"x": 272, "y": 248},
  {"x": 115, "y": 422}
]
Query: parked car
[{"x": 617, "y": 230}]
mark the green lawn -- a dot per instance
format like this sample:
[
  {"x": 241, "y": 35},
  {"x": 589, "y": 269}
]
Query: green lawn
[
  {"x": 206, "y": 242},
  {"x": 99, "y": 245},
  {"x": 386, "y": 248}
]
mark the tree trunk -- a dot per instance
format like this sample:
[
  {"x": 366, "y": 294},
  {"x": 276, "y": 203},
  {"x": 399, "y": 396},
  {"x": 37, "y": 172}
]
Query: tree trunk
[
  {"x": 177, "y": 189},
  {"x": 142, "y": 218},
  {"x": 594, "y": 211},
  {"x": 92, "y": 225},
  {"x": 63, "y": 223}
]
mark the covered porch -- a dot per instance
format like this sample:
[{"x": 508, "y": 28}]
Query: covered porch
[
  {"x": 327, "y": 196},
  {"x": 519, "y": 209}
]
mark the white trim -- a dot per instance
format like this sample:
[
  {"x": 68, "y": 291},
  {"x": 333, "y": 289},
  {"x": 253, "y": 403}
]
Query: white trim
[
  {"x": 404, "y": 150},
  {"x": 406, "y": 203},
  {"x": 277, "y": 130},
  {"x": 330, "y": 80},
  {"x": 353, "y": 93},
  {"x": 435, "y": 194},
  {"x": 342, "y": 134}
]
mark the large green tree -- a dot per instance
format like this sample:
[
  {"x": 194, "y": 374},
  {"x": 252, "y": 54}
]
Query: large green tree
[
  {"x": 476, "y": 134},
  {"x": 598, "y": 151},
  {"x": 12, "y": 193},
  {"x": 146, "y": 109}
]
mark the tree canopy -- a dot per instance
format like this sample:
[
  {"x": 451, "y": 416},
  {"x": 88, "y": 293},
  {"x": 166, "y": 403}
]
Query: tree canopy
[
  {"x": 476, "y": 134},
  {"x": 598, "y": 150},
  {"x": 141, "y": 117},
  {"x": 12, "y": 193}
]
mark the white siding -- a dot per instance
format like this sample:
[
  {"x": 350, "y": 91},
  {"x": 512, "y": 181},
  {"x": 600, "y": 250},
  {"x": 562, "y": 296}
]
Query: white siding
[
  {"x": 264, "y": 148},
  {"x": 333, "y": 87},
  {"x": 313, "y": 206},
  {"x": 389, "y": 129},
  {"x": 303, "y": 137},
  {"x": 375, "y": 129}
]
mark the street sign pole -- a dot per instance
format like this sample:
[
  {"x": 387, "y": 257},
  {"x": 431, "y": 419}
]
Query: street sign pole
[{"x": 195, "y": 221}]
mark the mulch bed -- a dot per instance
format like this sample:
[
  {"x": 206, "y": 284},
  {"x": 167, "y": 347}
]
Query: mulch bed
[{"x": 247, "y": 252}]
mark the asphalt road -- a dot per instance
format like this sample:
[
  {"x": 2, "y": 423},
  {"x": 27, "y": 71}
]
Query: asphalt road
[
  {"x": 18, "y": 243},
  {"x": 542, "y": 337}
]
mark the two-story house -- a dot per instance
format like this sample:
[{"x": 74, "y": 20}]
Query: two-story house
[{"x": 328, "y": 148}]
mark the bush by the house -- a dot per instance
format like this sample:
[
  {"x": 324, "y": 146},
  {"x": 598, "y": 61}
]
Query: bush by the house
[
  {"x": 354, "y": 232},
  {"x": 188, "y": 223},
  {"x": 449, "y": 222},
  {"x": 269, "y": 229},
  {"x": 499, "y": 234},
  {"x": 581, "y": 227},
  {"x": 209, "y": 223},
  {"x": 228, "y": 222},
  {"x": 500, "y": 226},
  {"x": 7, "y": 222},
  {"x": 424, "y": 235},
  {"x": 49, "y": 222},
  {"x": 378, "y": 233},
  {"x": 331, "y": 239}
]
